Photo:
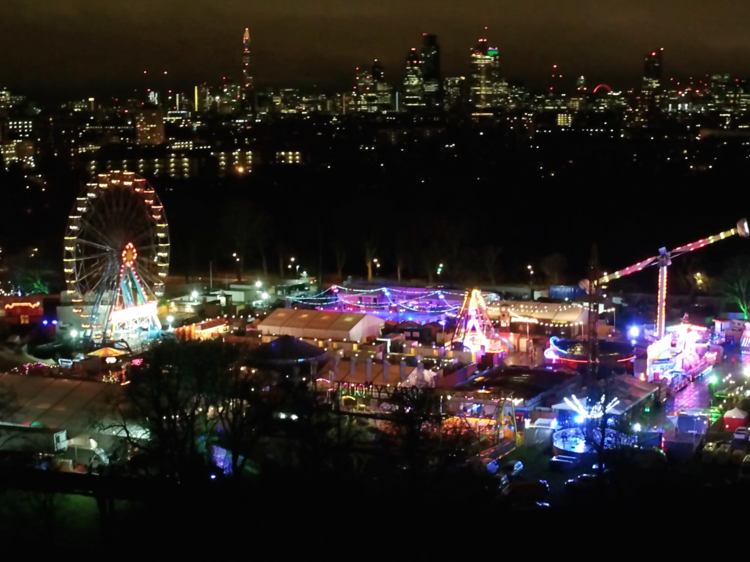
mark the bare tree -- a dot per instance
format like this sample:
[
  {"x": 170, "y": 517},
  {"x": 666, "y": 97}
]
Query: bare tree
[
  {"x": 553, "y": 267},
  {"x": 490, "y": 256},
  {"x": 340, "y": 262},
  {"x": 165, "y": 412},
  {"x": 735, "y": 285},
  {"x": 245, "y": 407},
  {"x": 371, "y": 247}
]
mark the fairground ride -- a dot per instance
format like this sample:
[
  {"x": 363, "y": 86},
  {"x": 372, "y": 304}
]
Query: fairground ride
[
  {"x": 116, "y": 257},
  {"x": 474, "y": 329},
  {"x": 663, "y": 260}
]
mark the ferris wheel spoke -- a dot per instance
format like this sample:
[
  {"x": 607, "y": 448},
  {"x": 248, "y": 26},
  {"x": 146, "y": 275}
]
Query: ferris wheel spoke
[
  {"x": 95, "y": 270},
  {"x": 103, "y": 277},
  {"x": 95, "y": 256},
  {"x": 98, "y": 232},
  {"x": 94, "y": 244}
]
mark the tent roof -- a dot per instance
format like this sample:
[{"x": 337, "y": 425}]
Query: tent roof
[
  {"x": 735, "y": 413},
  {"x": 316, "y": 319},
  {"x": 107, "y": 352},
  {"x": 57, "y": 403},
  {"x": 285, "y": 350}
]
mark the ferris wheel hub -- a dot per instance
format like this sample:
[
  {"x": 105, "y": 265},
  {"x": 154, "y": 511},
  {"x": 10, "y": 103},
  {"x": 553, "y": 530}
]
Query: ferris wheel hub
[{"x": 129, "y": 255}]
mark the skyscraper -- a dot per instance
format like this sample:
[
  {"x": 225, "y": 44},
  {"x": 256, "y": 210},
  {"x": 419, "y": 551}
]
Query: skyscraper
[
  {"x": 413, "y": 80},
  {"x": 247, "y": 79},
  {"x": 371, "y": 93},
  {"x": 366, "y": 97},
  {"x": 382, "y": 88},
  {"x": 433, "y": 82},
  {"x": 649, "y": 100},
  {"x": 487, "y": 87},
  {"x": 652, "y": 70}
]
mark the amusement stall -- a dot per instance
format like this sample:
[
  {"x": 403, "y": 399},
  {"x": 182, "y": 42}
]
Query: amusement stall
[{"x": 681, "y": 356}]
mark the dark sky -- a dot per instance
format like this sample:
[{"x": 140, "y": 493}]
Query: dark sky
[{"x": 78, "y": 46}]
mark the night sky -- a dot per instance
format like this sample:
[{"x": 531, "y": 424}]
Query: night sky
[{"x": 77, "y": 47}]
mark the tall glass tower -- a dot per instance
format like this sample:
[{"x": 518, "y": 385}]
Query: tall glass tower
[{"x": 247, "y": 78}]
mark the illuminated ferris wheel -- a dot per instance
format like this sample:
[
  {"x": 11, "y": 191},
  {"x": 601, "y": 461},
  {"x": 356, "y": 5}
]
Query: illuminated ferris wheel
[{"x": 116, "y": 256}]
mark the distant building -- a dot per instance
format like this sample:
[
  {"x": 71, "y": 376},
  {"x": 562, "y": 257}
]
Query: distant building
[
  {"x": 18, "y": 151},
  {"x": 413, "y": 81},
  {"x": 487, "y": 88},
  {"x": 236, "y": 162},
  {"x": 247, "y": 78},
  {"x": 202, "y": 98},
  {"x": 149, "y": 127},
  {"x": 456, "y": 90},
  {"x": 650, "y": 97},
  {"x": 372, "y": 93},
  {"x": 431, "y": 73},
  {"x": 229, "y": 97},
  {"x": 20, "y": 128},
  {"x": 5, "y": 99},
  {"x": 366, "y": 100},
  {"x": 288, "y": 157}
]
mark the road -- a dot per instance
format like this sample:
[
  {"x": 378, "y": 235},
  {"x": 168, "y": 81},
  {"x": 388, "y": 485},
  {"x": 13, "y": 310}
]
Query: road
[{"x": 695, "y": 395}]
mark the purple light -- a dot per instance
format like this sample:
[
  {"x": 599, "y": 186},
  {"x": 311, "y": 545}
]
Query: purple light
[
  {"x": 54, "y": 322},
  {"x": 213, "y": 477},
  {"x": 45, "y": 322}
]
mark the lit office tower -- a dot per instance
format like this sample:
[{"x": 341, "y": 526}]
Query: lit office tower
[
  {"x": 486, "y": 86},
  {"x": 247, "y": 79},
  {"x": 433, "y": 82},
  {"x": 652, "y": 70},
  {"x": 371, "y": 93},
  {"x": 366, "y": 99},
  {"x": 413, "y": 80},
  {"x": 382, "y": 89},
  {"x": 650, "y": 98},
  {"x": 149, "y": 127}
]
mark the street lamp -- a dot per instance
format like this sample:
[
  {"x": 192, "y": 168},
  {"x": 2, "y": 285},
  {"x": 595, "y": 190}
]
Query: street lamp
[
  {"x": 170, "y": 319},
  {"x": 258, "y": 284},
  {"x": 194, "y": 295},
  {"x": 74, "y": 333},
  {"x": 531, "y": 282}
]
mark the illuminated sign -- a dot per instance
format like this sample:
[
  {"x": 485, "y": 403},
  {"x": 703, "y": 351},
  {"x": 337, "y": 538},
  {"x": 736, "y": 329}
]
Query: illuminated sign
[
  {"x": 134, "y": 313},
  {"x": 28, "y": 304}
]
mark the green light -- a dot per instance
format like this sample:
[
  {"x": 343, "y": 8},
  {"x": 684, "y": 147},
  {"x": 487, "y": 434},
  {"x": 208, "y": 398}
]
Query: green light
[
  {"x": 492, "y": 52},
  {"x": 713, "y": 379}
]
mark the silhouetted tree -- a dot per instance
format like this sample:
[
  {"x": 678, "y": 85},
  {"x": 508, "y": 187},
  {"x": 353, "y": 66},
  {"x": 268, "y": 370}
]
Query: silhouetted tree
[
  {"x": 735, "y": 284},
  {"x": 340, "y": 262},
  {"x": 164, "y": 411},
  {"x": 553, "y": 267},
  {"x": 490, "y": 255},
  {"x": 371, "y": 247}
]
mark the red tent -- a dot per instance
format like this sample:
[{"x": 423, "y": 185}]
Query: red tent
[{"x": 734, "y": 418}]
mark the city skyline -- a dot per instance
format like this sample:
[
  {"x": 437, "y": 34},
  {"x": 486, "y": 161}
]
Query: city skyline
[{"x": 320, "y": 47}]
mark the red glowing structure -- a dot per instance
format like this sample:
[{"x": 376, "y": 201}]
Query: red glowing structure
[{"x": 474, "y": 329}]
